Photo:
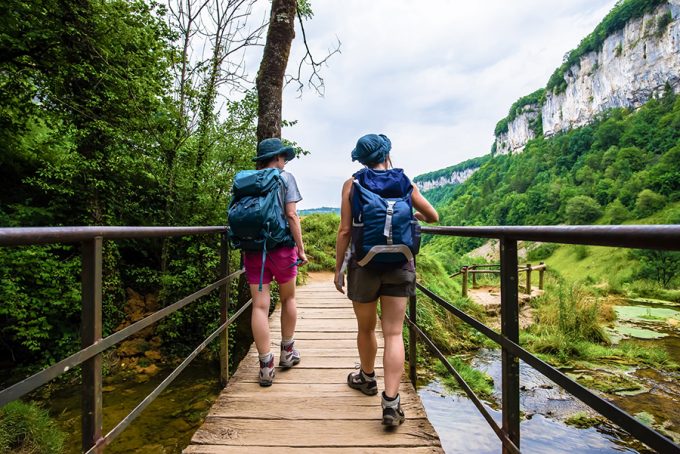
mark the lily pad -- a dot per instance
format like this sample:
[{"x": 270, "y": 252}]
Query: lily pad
[
  {"x": 642, "y": 314},
  {"x": 654, "y": 301},
  {"x": 638, "y": 333}
]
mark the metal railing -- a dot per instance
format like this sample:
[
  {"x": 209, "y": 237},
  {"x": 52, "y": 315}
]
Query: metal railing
[
  {"x": 664, "y": 237},
  {"x": 90, "y": 357}
]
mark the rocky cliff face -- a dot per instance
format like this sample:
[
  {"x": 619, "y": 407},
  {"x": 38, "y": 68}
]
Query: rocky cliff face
[
  {"x": 454, "y": 178},
  {"x": 634, "y": 64}
]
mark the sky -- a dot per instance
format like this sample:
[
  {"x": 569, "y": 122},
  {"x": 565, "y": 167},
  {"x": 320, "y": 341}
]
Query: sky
[{"x": 433, "y": 76}]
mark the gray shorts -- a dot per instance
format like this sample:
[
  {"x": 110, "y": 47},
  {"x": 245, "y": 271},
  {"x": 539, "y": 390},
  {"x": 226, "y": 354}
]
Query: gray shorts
[{"x": 366, "y": 285}]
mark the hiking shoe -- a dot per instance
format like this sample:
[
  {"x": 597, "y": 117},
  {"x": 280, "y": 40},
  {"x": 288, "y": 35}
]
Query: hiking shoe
[
  {"x": 289, "y": 356},
  {"x": 364, "y": 383},
  {"x": 392, "y": 415},
  {"x": 267, "y": 371}
]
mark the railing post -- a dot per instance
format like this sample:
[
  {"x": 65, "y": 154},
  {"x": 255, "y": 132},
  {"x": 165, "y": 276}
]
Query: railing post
[
  {"x": 540, "y": 276},
  {"x": 412, "y": 340},
  {"x": 474, "y": 277},
  {"x": 528, "y": 289},
  {"x": 510, "y": 330},
  {"x": 224, "y": 309},
  {"x": 91, "y": 332},
  {"x": 465, "y": 281}
]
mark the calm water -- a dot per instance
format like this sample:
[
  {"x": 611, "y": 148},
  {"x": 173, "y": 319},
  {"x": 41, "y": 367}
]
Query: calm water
[{"x": 462, "y": 429}]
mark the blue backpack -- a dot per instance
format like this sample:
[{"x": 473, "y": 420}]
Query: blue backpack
[
  {"x": 256, "y": 215},
  {"x": 385, "y": 234}
]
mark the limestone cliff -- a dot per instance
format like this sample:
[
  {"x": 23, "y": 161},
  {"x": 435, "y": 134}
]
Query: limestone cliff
[
  {"x": 633, "y": 64},
  {"x": 456, "y": 177}
]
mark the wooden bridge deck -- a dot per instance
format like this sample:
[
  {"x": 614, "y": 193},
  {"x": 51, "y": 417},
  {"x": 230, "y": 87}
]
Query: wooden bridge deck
[{"x": 310, "y": 408}]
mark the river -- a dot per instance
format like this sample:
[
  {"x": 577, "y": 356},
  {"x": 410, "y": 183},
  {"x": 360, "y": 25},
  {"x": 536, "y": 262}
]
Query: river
[{"x": 546, "y": 406}]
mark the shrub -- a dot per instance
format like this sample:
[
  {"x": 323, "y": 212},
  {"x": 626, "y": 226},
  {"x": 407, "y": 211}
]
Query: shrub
[
  {"x": 617, "y": 212},
  {"x": 582, "y": 209},
  {"x": 569, "y": 314},
  {"x": 319, "y": 233},
  {"x": 26, "y": 428},
  {"x": 648, "y": 202},
  {"x": 542, "y": 251}
]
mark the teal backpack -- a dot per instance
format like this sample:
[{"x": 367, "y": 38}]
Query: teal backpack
[{"x": 256, "y": 214}]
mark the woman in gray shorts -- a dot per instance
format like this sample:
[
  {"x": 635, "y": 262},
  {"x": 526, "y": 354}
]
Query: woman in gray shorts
[{"x": 391, "y": 285}]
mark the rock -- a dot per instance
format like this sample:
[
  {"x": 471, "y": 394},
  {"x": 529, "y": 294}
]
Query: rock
[
  {"x": 132, "y": 347},
  {"x": 108, "y": 389},
  {"x": 142, "y": 378},
  {"x": 148, "y": 370},
  {"x": 154, "y": 355}
]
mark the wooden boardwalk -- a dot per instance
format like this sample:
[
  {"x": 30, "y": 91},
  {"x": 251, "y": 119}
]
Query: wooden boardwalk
[{"x": 310, "y": 408}]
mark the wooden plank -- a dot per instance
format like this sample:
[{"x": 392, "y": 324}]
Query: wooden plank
[
  {"x": 327, "y": 433},
  {"x": 297, "y": 408},
  {"x": 304, "y": 351},
  {"x": 322, "y": 325},
  {"x": 321, "y": 390},
  {"x": 222, "y": 449},
  {"x": 329, "y": 362},
  {"x": 300, "y": 375}
]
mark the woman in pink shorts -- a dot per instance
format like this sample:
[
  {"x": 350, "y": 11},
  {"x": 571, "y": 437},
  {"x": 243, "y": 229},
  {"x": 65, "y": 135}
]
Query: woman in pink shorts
[{"x": 281, "y": 264}]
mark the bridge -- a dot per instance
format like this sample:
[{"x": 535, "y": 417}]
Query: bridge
[{"x": 328, "y": 416}]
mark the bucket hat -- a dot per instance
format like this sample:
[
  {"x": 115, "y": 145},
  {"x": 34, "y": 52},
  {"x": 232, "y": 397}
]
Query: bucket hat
[
  {"x": 269, "y": 148},
  {"x": 372, "y": 149}
]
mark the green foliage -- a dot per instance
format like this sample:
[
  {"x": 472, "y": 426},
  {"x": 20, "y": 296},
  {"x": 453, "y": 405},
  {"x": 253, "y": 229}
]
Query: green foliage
[
  {"x": 616, "y": 19},
  {"x": 319, "y": 232},
  {"x": 648, "y": 202},
  {"x": 617, "y": 212},
  {"x": 660, "y": 266},
  {"x": 93, "y": 133},
  {"x": 40, "y": 310},
  {"x": 534, "y": 101},
  {"x": 542, "y": 251},
  {"x": 582, "y": 209},
  {"x": 480, "y": 382},
  {"x": 25, "y": 428}
]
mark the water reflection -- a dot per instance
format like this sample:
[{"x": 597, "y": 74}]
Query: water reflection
[{"x": 462, "y": 429}]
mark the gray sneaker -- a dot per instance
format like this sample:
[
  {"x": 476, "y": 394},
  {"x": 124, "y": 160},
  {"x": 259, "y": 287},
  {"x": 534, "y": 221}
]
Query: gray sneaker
[
  {"x": 289, "y": 356},
  {"x": 359, "y": 380},
  {"x": 393, "y": 415},
  {"x": 267, "y": 372}
]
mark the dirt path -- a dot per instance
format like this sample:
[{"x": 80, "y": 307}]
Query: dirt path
[{"x": 490, "y": 299}]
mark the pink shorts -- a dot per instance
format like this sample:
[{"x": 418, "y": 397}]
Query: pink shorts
[{"x": 278, "y": 265}]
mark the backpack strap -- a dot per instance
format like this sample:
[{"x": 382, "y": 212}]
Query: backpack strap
[
  {"x": 357, "y": 212},
  {"x": 394, "y": 248}
]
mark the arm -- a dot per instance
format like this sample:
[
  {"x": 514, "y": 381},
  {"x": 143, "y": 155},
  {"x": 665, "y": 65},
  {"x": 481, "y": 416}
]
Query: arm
[
  {"x": 344, "y": 234},
  {"x": 296, "y": 230},
  {"x": 424, "y": 211}
]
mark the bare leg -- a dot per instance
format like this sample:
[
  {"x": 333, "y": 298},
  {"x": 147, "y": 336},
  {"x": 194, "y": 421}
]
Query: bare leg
[
  {"x": 366, "y": 342},
  {"x": 393, "y": 311},
  {"x": 259, "y": 321},
  {"x": 288, "y": 309}
]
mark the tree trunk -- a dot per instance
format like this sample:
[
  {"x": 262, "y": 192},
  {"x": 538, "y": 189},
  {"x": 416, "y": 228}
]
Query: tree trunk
[{"x": 273, "y": 68}]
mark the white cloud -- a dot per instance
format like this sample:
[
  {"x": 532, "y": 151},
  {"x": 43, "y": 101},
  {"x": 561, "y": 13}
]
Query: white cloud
[{"x": 434, "y": 76}]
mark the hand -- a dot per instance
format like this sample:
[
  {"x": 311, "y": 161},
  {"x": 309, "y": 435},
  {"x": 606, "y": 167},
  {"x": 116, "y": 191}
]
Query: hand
[
  {"x": 302, "y": 258},
  {"x": 340, "y": 282}
]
